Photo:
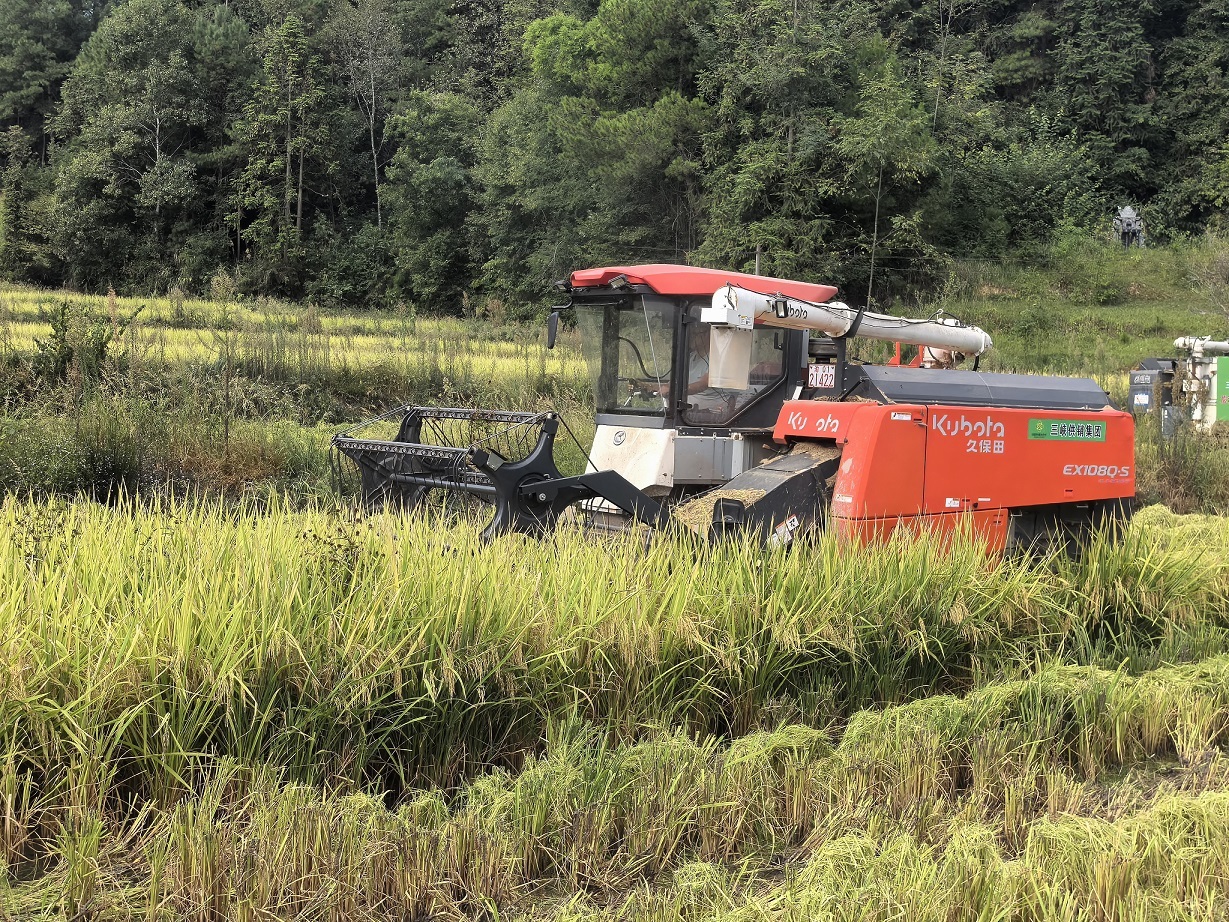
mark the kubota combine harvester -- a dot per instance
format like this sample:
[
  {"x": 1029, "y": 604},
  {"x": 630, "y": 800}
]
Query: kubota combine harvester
[{"x": 728, "y": 402}]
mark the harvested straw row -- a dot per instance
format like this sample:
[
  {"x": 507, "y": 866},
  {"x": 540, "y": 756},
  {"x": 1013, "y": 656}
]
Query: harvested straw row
[
  {"x": 593, "y": 817},
  {"x": 1170, "y": 862}
]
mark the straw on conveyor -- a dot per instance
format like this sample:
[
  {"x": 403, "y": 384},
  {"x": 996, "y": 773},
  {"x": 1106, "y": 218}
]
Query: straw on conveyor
[{"x": 697, "y": 514}]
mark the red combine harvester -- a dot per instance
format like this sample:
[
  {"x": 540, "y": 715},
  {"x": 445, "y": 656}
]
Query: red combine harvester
[{"x": 726, "y": 401}]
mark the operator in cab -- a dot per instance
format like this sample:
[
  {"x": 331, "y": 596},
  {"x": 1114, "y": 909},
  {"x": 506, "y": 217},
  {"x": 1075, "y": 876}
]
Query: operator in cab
[{"x": 698, "y": 341}]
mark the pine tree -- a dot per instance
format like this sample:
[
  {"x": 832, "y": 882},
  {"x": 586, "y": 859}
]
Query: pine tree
[{"x": 282, "y": 131}]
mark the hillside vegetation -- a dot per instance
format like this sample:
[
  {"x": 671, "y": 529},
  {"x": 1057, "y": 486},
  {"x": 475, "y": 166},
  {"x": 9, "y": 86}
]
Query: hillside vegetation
[
  {"x": 378, "y": 152},
  {"x": 238, "y": 396}
]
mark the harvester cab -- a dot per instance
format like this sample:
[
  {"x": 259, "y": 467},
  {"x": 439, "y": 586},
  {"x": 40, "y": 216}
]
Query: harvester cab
[{"x": 728, "y": 403}]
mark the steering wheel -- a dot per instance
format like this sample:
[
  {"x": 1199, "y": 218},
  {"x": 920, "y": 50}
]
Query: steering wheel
[{"x": 636, "y": 388}]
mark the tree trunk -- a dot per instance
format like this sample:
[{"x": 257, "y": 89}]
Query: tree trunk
[
  {"x": 289, "y": 156},
  {"x": 870, "y": 284},
  {"x": 945, "y": 28},
  {"x": 375, "y": 157},
  {"x": 158, "y": 236},
  {"x": 298, "y": 221}
]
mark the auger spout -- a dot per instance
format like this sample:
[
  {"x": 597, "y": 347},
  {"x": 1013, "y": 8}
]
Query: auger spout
[{"x": 740, "y": 308}]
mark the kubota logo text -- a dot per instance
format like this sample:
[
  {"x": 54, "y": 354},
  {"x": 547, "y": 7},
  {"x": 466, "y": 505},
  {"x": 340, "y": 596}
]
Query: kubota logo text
[
  {"x": 1097, "y": 470},
  {"x": 988, "y": 426},
  {"x": 798, "y": 421}
]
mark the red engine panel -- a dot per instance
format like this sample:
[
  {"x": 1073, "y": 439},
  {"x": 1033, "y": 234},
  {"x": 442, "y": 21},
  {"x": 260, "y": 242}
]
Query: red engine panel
[{"x": 948, "y": 466}]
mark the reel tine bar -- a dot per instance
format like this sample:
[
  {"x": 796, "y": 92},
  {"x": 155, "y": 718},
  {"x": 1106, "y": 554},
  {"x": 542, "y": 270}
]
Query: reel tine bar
[{"x": 436, "y": 448}]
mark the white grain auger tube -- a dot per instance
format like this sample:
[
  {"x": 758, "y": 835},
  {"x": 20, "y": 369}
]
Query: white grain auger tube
[
  {"x": 740, "y": 309},
  {"x": 1199, "y": 346}
]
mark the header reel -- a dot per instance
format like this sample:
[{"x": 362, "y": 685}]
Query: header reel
[{"x": 504, "y": 459}]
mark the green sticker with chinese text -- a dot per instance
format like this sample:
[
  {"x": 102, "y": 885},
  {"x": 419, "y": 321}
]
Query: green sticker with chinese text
[
  {"x": 1222, "y": 388},
  {"x": 1066, "y": 430}
]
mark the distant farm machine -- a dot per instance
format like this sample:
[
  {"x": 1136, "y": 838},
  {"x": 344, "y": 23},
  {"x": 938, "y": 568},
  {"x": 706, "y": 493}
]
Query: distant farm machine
[
  {"x": 728, "y": 402},
  {"x": 1129, "y": 228},
  {"x": 1192, "y": 389}
]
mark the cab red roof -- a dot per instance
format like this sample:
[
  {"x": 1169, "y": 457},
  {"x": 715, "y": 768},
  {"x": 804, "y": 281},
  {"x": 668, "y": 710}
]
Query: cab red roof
[{"x": 666, "y": 279}]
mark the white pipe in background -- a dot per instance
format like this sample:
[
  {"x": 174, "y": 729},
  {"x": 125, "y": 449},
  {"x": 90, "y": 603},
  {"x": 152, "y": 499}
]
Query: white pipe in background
[{"x": 1201, "y": 345}]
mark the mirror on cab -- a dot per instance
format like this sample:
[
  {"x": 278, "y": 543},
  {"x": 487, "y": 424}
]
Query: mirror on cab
[{"x": 552, "y": 329}]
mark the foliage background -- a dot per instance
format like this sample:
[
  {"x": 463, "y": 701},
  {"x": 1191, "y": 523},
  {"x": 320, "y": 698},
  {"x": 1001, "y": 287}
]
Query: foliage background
[{"x": 445, "y": 153}]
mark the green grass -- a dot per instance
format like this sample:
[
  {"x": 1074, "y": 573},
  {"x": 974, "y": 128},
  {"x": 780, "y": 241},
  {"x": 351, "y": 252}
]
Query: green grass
[{"x": 1094, "y": 310}]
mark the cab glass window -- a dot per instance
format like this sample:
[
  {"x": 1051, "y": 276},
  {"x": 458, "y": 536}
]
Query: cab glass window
[
  {"x": 628, "y": 346},
  {"x": 712, "y": 406}
]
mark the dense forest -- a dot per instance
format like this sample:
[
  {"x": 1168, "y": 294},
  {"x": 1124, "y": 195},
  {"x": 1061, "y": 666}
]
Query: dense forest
[{"x": 445, "y": 153}]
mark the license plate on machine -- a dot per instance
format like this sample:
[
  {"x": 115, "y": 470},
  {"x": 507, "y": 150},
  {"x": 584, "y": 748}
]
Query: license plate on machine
[{"x": 821, "y": 375}]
